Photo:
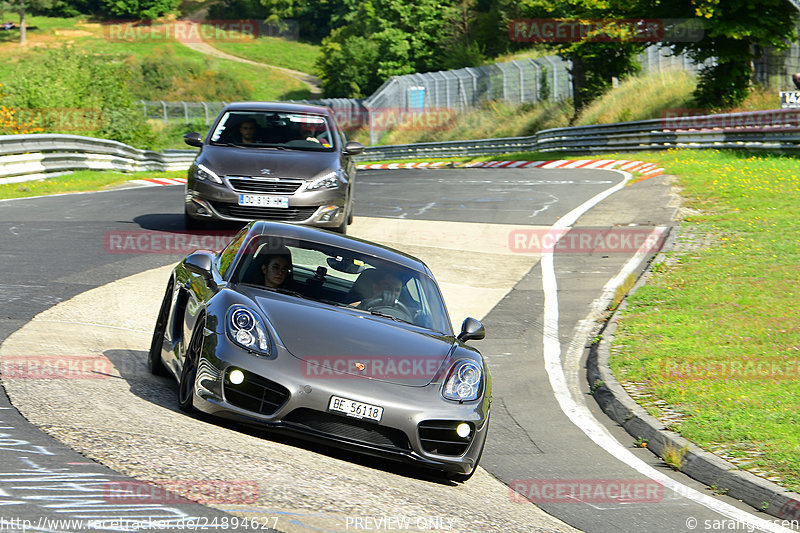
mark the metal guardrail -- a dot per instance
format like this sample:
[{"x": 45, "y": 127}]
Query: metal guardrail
[
  {"x": 24, "y": 157},
  {"x": 777, "y": 130},
  {"x": 33, "y": 156}
]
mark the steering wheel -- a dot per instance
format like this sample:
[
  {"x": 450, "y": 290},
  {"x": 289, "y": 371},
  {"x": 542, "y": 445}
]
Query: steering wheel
[{"x": 396, "y": 309}]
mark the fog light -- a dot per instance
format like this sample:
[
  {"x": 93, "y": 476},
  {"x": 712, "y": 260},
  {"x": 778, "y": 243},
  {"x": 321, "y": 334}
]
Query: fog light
[
  {"x": 463, "y": 430},
  {"x": 329, "y": 213},
  {"x": 237, "y": 378}
]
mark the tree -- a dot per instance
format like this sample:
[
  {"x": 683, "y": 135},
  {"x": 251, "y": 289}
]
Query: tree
[
  {"x": 384, "y": 38},
  {"x": 734, "y": 32},
  {"x": 598, "y": 55},
  {"x": 316, "y": 18},
  {"x": 138, "y": 9},
  {"x": 22, "y": 7}
]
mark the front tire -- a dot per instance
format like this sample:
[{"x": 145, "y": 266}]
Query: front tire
[
  {"x": 154, "y": 362},
  {"x": 189, "y": 371}
]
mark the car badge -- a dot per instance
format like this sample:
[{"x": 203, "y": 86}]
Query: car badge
[
  {"x": 266, "y": 171},
  {"x": 360, "y": 366}
]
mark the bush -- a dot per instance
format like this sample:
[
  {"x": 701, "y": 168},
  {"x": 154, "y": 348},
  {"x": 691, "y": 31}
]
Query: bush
[
  {"x": 177, "y": 78},
  {"x": 138, "y": 9},
  {"x": 64, "y": 91}
]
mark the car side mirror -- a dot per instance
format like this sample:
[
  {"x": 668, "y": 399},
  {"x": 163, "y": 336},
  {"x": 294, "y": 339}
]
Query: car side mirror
[
  {"x": 193, "y": 139},
  {"x": 353, "y": 148},
  {"x": 471, "y": 329},
  {"x": 200, "y": 263}
]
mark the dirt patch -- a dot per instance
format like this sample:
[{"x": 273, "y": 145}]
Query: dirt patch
[{"x": 73, "y": 33}]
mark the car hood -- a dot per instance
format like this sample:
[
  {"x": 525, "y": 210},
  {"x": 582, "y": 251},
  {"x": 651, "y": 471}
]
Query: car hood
[
  {"x": 340, "y": 343},
  {"x": 235, "y": 161}
]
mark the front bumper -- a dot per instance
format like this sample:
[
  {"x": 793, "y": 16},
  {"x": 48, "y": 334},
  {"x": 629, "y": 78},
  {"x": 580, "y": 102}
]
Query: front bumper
[
  {"x": 205, "y": 200},
  {"x": 417, "y": 425}
]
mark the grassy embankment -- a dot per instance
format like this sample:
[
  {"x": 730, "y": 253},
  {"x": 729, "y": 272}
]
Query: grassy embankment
[
  {"x": 162, "y": 68},
  {"x": 79, "y": 181}
]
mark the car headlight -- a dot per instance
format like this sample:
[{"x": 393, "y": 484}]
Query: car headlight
[
  {"x": 463, "y": 382},
  {"x": 327, "y": 181},
  {"x": 245, "y": 328},
  {"x": 205, "y": 173}
]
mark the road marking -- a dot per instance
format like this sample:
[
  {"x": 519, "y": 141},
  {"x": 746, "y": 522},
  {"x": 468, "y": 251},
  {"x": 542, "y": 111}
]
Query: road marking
[{"x": 579, "y": 414}]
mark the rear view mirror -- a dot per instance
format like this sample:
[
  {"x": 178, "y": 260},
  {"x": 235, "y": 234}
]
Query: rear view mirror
[
  {"x": 193, "y": 139},
  {"x": 471, "y": 329},
  {"x": 200, "y": 263},
  {"x": 353, "y": 148}
]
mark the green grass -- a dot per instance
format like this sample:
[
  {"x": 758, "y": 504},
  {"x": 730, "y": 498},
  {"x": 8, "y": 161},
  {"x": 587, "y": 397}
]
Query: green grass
[
  {"x": 641, "y": 98},
  {"x": 714, "y": 333},
  {"x": 80, "y": 181},
  {"x": 92, "y": 37},
  {"x": 295, "y": 55}
]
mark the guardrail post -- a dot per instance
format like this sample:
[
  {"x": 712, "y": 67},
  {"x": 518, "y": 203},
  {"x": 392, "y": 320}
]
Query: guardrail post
[
  {"x": 185, "y": 111},
  {"x": 164, "y": 108},
  {"x": 205, "y": 110}
]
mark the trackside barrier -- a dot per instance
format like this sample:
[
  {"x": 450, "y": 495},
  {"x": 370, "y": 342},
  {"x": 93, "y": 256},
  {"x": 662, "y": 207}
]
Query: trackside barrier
[
  {"x": 34, "y": 156},
  {"x": 24, "y": 157}
]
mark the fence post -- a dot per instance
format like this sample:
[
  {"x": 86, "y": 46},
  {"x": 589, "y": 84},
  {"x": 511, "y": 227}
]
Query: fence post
[
  {"x": 164, "y": 109},
  {"x": 205, "y": 110},
  {"x": 185, "y": 112},
  {"x": 554, "y": 94}
]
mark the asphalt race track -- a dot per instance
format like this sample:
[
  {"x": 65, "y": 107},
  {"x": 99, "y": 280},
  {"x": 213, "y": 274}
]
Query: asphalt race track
[{"x": 68, "y": 294}]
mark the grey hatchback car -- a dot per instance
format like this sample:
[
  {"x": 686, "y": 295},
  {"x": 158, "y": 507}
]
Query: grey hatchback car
[{"x": 272, "y": 161}]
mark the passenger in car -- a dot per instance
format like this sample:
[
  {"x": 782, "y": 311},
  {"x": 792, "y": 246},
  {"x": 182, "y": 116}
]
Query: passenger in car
[{"x": 277, "y": 269}]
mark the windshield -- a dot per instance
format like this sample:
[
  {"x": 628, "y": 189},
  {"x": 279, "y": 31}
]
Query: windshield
[
  {"x": 343, "y": 278},
  {"x": 271, "y": 129}
]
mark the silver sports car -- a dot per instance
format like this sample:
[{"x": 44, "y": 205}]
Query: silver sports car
[{"x": 329, "y": 337}]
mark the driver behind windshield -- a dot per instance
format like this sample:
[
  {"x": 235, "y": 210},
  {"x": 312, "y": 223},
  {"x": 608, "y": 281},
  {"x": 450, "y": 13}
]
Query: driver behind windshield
[{"x": 382, "y": 288}]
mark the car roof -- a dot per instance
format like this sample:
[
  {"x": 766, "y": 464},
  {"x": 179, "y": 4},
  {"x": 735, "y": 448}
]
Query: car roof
[
  {"x": 281, "y": 107},
  {"x": 261, "y": 227}
]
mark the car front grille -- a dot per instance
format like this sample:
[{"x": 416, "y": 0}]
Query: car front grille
[
  {"x": 291, "y": 214},
  {"x": 440, "y": 437},
  {"x": 256, "y": 394},
  {"x": 256, "y": 185},
  {"x": 349, "y": 428}
]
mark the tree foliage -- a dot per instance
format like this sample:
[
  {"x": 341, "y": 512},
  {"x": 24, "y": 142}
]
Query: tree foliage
[
  {"x": 383, "y": 38},
  {"x": 594, "y": 63},
  {"x": 734, "y": 33},
  {"x": 137, "y": 9}
]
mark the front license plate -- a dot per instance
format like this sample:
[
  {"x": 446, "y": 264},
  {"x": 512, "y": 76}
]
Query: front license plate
[
  {"x": 355, "y": 409},
  {"x": 258, "y": 200}
]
